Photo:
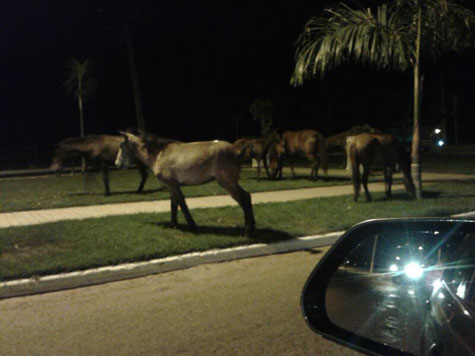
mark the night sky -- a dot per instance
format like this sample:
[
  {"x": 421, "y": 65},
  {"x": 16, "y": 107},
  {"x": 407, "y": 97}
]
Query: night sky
[{"x": 198, "y": 63}]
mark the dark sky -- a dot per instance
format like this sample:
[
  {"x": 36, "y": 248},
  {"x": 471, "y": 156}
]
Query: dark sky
[{"x": 198, "y": 63}]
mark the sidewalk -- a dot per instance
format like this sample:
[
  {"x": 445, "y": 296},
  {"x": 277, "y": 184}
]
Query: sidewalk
[{"x": 33, "y": 217}]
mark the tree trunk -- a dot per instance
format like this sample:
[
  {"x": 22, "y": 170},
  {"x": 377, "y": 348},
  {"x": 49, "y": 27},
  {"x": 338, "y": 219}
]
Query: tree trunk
[
  {"x": 416, "y": 138},
  {"x": 81, "y": 116},
  {"x": 453, "y": 115},
  {"x": 443, "y": 108},
  {"x": 81, "y": 123},
  {"x": 135, "y": 82}
]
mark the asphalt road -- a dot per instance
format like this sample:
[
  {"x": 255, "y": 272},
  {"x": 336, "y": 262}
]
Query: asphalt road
[
  {"x": 397, "y": 311},
  {"x": 242, "y": 307}
]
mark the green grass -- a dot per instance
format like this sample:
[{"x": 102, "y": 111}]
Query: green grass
[
  {"x": 57, "y": 192},
  {"x": 76, "y": 245},
  {"x": 77, "y": 190},
  {"x": 448, "y": 162}
]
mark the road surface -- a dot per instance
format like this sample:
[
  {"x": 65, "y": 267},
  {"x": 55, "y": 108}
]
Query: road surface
[{"x": 243, "y": 307}]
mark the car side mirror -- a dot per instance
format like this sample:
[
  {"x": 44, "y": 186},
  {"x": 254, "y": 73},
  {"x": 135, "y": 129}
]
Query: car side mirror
[{"x": 374, "y": 291}]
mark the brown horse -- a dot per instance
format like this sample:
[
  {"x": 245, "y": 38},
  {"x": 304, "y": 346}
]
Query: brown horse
[
  {"x": 254, "y": 148},
  {"x": 179, "y": 164},
  {"x": 99, "y": 151},
  {"x": 339, "y": 140},
  {"x": 368, "y": 148},
  {"x": 289, "y": 143}
]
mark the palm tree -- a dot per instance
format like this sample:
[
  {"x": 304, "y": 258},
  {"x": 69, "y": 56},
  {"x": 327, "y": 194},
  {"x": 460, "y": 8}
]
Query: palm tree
[
  {"x": 236, "y": 119},
  {"x": 81, "y": 83},
  {"x": 263, "y": 112},
  {"x": 391, "y": 36},
  {"x": 135, "y": 79}
]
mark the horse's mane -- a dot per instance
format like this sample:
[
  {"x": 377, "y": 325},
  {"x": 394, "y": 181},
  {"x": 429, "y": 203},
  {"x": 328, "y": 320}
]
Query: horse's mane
[{"x": 153, "y": 143}]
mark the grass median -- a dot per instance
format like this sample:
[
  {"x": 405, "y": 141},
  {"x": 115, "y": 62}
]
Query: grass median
[
  {"x": 47, "y": 192},
  {"x": 77, "y": 245},
  {"x": 59, "y": 192}
]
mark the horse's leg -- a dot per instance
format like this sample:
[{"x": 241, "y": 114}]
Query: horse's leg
[
  {"x": 258, "y": 168},
  {"x": 179, "y": 198},
  {"x": 105, "y": 178},
  {"x": 388, "y": 180},
  {"x": 364, "y": 180},
  {"x": 281, "y": 167},
  {"x": 242, "y": 197},
  {"x": 314, "y": 171},
  {"x": 174, "y": 211},
  {"x": 144, "y": 175}
]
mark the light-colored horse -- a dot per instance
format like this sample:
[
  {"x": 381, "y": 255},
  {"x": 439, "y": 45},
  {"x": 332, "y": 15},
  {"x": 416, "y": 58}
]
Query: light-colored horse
[
  {"x": 367, "y": 148},
  {"x": 179, "y": 164}
]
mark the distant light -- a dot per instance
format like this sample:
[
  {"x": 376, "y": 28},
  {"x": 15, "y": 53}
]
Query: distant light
[
  {"x": 437, "y": 131},
  {"x": 393, "y": 268},
  {"x": 437, "y": 284},
  {"x": 461, "y": 291},
  {"x": 441, "y": 295},
  {"x": 440, "y": 143},
  {"x": 411, "y": 292},
  {"x": 398, "y": 258},
  {"x": 421, "y": 248},
  {"x": 413, "y": 270}
]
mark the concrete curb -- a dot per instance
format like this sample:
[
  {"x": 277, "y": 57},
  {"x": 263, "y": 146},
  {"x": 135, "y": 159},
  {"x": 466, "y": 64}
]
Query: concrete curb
[{"x": 101, "y": 275}]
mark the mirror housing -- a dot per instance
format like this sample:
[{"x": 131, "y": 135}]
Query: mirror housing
[{"x": 314, "y": 303}]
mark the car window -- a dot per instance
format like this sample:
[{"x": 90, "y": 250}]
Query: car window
[{"x": 460, "y": 272}]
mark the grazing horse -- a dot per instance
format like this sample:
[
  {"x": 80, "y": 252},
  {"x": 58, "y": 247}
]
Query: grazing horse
[
  {"x": 366, "y": 149},
  {"x": 254, "y": 148},
  {"x": 289, "y": 143},
  {"x": 339, "y": 140},
  {"x": 179, "y": 164},
  {"x": 99, "y": 151}
]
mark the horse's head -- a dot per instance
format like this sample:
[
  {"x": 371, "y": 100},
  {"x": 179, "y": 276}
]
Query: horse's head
[
  {"x": 57, "y": 162},
  {"x": 275, "y": 156},
  {"x": 126, "y": 154}
]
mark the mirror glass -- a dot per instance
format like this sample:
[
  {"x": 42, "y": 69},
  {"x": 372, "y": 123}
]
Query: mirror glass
[{"x": 390, "y": 286}]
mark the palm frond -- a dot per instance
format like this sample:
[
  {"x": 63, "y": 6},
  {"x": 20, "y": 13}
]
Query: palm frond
[
  {"x": 362, "y": 35},
  {"x": 79, "y": 79},
  {"x": 384, "y": 37}
]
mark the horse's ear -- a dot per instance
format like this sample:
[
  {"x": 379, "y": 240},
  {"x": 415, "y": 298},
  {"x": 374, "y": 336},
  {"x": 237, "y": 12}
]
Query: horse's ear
[{"x": 129, "y": 136}]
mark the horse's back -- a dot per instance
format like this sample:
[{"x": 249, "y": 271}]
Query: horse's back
[
  {"x": 103, "y": 147},
  {"x": 303, "y": 140},
  {"x": 195, "y": 163},
  {"x": 376, "y": 146}
]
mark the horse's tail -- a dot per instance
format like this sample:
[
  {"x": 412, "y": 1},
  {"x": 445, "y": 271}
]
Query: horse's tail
[
  {"x": 322, "y": 150},
  {"x": 355, "y": 170}
]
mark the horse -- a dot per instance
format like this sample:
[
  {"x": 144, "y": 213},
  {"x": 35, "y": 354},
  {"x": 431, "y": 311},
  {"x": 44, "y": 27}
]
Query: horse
[
  {"x": 288, "y": 143},
  {"x": 339, "y": 140},
  {"x": 254, "y": 148},
  {"x": 178, "y": 164},
  {"x": 99, "y": 151},
  {"x": 366, "y": 148}
]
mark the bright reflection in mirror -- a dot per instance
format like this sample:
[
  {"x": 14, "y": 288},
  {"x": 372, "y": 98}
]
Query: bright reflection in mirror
[{"x": 387, "y": 286}]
